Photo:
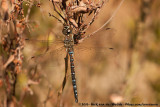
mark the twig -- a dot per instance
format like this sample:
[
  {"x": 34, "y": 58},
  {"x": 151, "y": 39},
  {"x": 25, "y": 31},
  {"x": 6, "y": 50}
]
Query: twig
[
  {"x": 93, "y": 18},
  {"x": 106, "y": 21},
  {"x": 57, "y": 11},
  {"x": 48, "y": 97},
  {"x": 28, "y": 13},
  {"x": 55, "y": 18}
]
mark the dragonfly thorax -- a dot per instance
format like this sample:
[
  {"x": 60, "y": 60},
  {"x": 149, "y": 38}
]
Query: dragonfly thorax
[
  {"x": 68, "y": 39},
  {"x": 68, "y": 43}
]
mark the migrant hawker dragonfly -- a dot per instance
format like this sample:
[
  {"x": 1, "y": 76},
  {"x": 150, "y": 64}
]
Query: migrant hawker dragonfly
[{"x": 74, "y": 43}]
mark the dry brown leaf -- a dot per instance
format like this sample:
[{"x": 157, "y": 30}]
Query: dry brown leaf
[
  {"x": 81, "y": 3},
  {"x": 73, "y": 22},
  {"x": 85, "y": 1},
  {"x": 28, "y": 89},
  {"x": 32, "y": 82},
  {"x": 57, "y": 1},
  {"x": 18, "y": 69},
  {"x": 1, "y": 83},
  {"x": 4, "y": 5},
  {"x": 10, "y": 59},
  {"x": 77, "y": 9}
]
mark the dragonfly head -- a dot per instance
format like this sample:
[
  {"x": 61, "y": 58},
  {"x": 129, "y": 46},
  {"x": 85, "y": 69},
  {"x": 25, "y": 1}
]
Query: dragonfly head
[{"x": 66, "y": 30}]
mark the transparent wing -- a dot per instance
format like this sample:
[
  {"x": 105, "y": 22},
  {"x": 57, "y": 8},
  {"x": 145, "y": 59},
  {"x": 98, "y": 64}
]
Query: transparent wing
[
  {"x": 98, "y": 45},
  {"x": 52, "y": 48},
  {"x": 43, "y": 50}
]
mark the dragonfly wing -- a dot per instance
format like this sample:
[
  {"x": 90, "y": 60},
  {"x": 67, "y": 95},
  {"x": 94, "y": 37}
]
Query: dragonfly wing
[
  {"x": 42, "y": 50},
  {"x": 101, "y": 43}
]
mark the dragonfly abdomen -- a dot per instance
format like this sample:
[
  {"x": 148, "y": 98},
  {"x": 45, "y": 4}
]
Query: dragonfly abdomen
[{"x": 73, "y": 75}]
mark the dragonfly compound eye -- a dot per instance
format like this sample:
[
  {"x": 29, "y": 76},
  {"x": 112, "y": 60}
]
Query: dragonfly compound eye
[
  {"x": 66, "y": 30},
  {"x": 69, "y": 31}
]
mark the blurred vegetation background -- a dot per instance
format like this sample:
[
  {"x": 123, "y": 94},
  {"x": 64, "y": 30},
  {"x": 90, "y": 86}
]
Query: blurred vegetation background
[{"x": 130, "y": 73}]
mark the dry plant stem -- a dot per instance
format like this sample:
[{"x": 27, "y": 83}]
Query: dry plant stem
[
  {"x": 48, "y": 97},
  {"x": 55, "y": 18},
  {"x": 22, "y": 98},
  {"x": 35, "y": 72},
  {"x": 145, "y": 8},
  {"x": 114, "y": 13},
  {"x": 13, "y": 45},
  {"x": 10, "y": 59},
  {"x": 15, "y": 70},
  {"x": 9, "y": 87},
  {"x": 64, "y": 80},
  {"x": 96, "y": 13},
  {"x": 28, "y": 13},
  {"x": 57, "y": 11}
]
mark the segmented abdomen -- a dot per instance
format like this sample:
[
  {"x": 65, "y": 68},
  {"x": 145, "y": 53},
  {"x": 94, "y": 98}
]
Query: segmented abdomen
[{"x": 73, "y": 75}]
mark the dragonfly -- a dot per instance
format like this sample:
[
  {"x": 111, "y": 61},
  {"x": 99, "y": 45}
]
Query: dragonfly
[
  {"x": 71, "y": 42},
  {"x": 68, "y": 47}
]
